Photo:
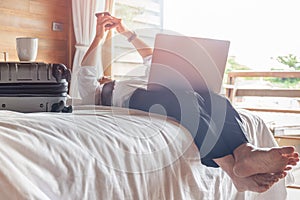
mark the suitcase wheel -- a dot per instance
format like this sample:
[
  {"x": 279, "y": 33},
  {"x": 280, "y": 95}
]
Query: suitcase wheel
[
  {"x": 60, "y": 71},
  {"x": 60, "y": 107}
]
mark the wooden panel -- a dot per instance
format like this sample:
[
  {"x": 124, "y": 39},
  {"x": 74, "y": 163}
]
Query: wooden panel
[
  {"x": 287, "y": 140},
  {"x": 277, "y": 110},
  {"x": 57, "y": 8},
  {"x": 281, "y": 74},
  {"x": 19, "y": 5},
  {"x": 268, "y": 92},
  {"x": 22, "y": 22},
  {"x": 232, "y": 90},
  {"x": 34, "y": 18}
]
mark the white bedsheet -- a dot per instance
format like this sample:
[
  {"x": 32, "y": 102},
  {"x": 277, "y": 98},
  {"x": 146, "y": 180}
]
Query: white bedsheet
[{"x": 102, "y": 153}]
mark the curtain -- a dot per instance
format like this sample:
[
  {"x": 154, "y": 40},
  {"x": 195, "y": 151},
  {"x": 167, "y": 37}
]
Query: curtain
[{"x": 84, "y": 22}]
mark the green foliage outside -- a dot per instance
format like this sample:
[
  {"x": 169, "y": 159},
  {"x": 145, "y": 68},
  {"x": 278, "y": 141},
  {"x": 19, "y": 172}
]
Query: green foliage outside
[
  {"x": 232, "y": 65},
  {"x": 128, "y": 13},
  {"x": 290, "y": 60},
  {"x": 293, "y": 63}
]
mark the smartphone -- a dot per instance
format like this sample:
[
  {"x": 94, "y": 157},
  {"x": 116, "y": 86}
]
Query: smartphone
[{"x": 104, "y": 13}]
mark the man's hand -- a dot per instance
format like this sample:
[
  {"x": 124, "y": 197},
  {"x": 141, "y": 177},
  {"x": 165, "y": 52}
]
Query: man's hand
[
  {"x": 105, "y": 79},
  {"x": 104, "y": 23}
]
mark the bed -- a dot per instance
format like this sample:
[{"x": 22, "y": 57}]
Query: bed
[{"x": 100, "y": 152}]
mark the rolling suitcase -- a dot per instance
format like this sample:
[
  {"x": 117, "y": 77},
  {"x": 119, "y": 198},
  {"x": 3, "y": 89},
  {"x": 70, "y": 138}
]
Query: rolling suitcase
[{"x": 34, "y": 87}]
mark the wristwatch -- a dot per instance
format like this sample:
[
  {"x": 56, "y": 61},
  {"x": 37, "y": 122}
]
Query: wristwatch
[{"x": 132, "y": 37}]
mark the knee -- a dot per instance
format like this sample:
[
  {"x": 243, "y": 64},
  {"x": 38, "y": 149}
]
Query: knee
[{"x": 137, "y": 98}]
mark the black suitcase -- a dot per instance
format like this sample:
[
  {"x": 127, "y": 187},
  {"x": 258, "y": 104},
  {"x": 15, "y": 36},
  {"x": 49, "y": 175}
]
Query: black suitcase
[{"x": 34, "y": 87}]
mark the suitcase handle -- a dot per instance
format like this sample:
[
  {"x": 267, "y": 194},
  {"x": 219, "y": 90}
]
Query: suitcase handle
[{"x": 60, "y": 71}]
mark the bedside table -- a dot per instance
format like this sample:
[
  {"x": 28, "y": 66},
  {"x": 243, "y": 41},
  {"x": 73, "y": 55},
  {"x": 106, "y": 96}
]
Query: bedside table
[
  {"x": 291, "y": 140},
  {"x": 284, "y": 140}
]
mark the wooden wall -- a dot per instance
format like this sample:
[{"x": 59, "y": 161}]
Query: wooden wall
[{"x": 34, "y": 18}]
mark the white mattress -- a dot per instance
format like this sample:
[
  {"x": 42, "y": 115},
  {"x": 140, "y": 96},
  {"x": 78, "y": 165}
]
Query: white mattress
[{"x": 102, "y": 153}]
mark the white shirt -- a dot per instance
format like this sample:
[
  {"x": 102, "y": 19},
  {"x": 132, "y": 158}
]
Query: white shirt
[{"x": 90, "y": 89}]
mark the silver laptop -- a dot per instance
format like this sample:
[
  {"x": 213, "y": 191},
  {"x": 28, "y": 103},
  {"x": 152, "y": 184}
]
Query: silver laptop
[{"x": 181, "y": 62}]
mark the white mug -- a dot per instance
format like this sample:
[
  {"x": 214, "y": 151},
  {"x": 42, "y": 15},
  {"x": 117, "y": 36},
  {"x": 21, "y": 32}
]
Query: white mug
[{"x": 27, "y": 48}]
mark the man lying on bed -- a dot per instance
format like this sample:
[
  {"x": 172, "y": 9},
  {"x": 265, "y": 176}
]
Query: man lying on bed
[{"x": 250, "y": 168}]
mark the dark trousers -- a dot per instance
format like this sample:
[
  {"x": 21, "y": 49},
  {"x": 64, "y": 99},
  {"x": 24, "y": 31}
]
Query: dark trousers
[{"x": 214, "y": 124}]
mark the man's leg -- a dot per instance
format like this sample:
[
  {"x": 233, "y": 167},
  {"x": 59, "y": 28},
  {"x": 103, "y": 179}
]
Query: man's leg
[
  {"x": 223, "y": 132},
  {"x": 194, "y": 112},
  {"x": 221, "y": 153},
  {"x": 145, "y": 100},
  {"x": 214, "y": 124},
  {"x": 249, "y": 160}
]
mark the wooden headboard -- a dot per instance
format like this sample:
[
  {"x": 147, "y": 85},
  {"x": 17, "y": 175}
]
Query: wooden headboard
[{"x": 34, "y": 18}]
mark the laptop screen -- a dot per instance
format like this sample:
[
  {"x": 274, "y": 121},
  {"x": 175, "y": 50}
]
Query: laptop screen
[{"x": 188, "y": 62}]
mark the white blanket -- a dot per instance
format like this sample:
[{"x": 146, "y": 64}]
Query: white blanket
[{"x": 102, "y": 153}]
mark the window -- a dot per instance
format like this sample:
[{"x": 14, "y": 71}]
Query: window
[
  {"x": 258, "y": 30},
  {"x": 143, "y": 16}
]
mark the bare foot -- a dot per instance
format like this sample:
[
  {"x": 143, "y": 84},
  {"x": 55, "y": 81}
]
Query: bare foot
[
  {"x": 258, "y": 182},
  {"x": 250, "y": 160}
]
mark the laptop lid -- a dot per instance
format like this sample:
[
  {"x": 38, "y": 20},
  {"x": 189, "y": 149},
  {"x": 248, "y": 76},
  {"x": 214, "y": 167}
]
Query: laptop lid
[{"x": 188, "y": 62}]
